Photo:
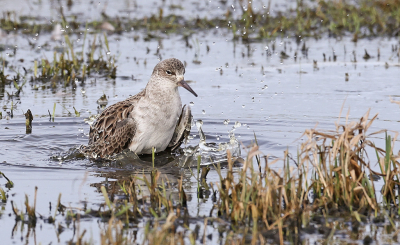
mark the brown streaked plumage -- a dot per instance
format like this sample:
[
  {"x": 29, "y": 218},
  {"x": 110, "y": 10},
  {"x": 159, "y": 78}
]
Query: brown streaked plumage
[{"x": 145, "y": 120}]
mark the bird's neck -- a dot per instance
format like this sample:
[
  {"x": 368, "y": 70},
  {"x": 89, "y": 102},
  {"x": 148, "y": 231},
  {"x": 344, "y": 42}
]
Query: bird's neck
[
  {"x": 158, "y": 89},
  {"x": 162, "y": 97}
]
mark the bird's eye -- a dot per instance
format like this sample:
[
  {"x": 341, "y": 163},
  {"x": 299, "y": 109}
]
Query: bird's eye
[{"x": 169, "y": 72}]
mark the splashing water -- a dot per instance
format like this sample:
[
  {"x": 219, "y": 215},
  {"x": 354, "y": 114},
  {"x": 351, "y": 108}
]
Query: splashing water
[
  {"x": 91, "y": 119},
  {"x": 211, "y": 153}
]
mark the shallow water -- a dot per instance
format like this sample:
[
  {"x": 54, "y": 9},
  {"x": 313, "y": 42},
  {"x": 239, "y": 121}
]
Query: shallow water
[{"x": 273, "y": 98}]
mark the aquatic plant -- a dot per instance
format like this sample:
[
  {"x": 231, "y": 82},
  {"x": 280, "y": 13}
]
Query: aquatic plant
[
  {"x": 3, "y": 195},
  {"x": 69, "y": 69},
  {"x": 30, "y": 213}
]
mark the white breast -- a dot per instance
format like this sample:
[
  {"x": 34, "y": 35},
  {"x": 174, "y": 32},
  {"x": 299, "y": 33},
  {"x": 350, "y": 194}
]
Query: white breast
[{"x": 156, "y": 119}]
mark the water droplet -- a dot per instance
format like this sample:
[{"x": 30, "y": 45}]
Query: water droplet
[
  {"x": 264, "y": 7},
  {"x": 226, "y": 121},
  {"x": 265, "y": 87},
  {"x": 83, "y": 91},
  {"x": 266, "y": 48},
  {"x": 237, "y": 125},
  {"x": 76, "y": 80},
  {"x": 217, "y": 137},
  {"x": 217, "y": 27},
  {"x": 204, "y": 112},
  {"x": 266, "y": 120},
  {"x": 108, "y": 52},
  {"x": 276, "y": 93},
  {"x": 213, "y": 43},
  {"x": 191, "y": 103},
  {"x": 243, "y": 106},
  {"x": 199, "y": 123}
]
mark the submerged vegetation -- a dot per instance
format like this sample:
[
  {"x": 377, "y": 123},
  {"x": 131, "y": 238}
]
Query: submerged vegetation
[{"x": 328, "y": 184}]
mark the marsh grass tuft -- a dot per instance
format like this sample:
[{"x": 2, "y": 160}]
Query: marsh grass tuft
[
  {"x": 29, "y": 217},
  {"x": 69, "y": 67}
]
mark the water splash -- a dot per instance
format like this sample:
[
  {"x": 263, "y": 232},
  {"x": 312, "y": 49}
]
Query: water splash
[
  {"x": 91, "y": 119},
  {"x": 211, "y": 153}
]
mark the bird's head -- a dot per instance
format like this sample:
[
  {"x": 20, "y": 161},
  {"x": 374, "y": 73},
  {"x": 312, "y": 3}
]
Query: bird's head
[{"x": 172, "y": 70}]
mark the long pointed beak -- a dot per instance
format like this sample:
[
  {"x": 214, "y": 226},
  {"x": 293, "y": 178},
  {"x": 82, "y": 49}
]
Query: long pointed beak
[{"x": 186, "y": 86}]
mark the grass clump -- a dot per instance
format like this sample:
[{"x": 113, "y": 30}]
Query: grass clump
[
  {"x": 68, "y": 67},
  {"x": 344, "y": 175},
  {"x": 29, "y": 216}
]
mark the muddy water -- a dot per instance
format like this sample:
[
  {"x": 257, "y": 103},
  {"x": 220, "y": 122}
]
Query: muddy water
[{"x": 273, "y": 97}]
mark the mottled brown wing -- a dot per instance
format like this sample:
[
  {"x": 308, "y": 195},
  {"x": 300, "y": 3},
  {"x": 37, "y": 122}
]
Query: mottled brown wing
[
  {"x": 113, "y": 130},
  {"x": 106, "y": 123},
  {"x": 116, "y": 142}
]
